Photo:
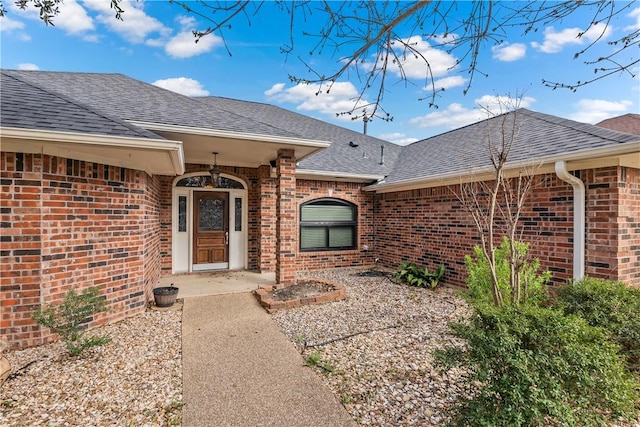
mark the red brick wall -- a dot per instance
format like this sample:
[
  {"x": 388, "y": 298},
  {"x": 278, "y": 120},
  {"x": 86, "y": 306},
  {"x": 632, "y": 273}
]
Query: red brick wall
[
  {"x": 613, "y": 224},
  {"x": 286, "y": 225},
  {"x": 429, "y": 226},
  {"x": 629, "y": 226},
  {"x": 72, "y": 224},
  {"x": 307, "y": 190}
]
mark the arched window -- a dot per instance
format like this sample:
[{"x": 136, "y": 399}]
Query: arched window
[
  {"x": 328, "y": 225},
  {"x": 204, "y": 181}
]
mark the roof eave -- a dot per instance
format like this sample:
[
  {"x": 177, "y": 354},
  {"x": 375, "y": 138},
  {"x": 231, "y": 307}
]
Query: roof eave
[
  {"x": 336, "y": 176},
  {"x": 129, "y": 152},
  {"x": 232, "y": 135}
]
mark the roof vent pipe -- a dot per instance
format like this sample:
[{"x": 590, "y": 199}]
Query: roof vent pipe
[
  {"x": 382, "y": 154},
  {"x": 578, "y": 217}
]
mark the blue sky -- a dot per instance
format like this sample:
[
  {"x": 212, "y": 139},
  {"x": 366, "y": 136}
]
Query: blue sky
[{"x": 154, "y": 44}]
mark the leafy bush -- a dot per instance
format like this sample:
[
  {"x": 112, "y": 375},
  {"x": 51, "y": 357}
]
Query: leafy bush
[
  {"x": 479, "y": 281},
  {"x": 420, "y": 277},
  {"x": 528, "y": 366},
  {"x": 69, "y": 318},
  {"x": 611, "y": 305}
]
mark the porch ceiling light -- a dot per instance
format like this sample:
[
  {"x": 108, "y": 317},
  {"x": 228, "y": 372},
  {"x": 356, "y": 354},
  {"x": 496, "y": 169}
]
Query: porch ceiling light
[{"x": 215, "y": 171}]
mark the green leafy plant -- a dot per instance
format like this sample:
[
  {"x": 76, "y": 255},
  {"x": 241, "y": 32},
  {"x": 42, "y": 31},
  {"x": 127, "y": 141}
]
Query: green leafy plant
[
  {"x": 421, "y": 277},
  {"x": 314, "y": 359},
  {"x": 69, "y": 319},
  {"x": 527, "y": 287},
  {"x": 530, "y": 366},
  {"x": 613, "y": 306}
]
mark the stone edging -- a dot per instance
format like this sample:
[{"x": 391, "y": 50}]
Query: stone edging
[{"x": 262, "y": 294}]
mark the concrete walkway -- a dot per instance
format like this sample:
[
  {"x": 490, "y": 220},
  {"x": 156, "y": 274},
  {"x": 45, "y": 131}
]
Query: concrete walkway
[
  {"x": 240, "y": 370},
  {"x": 218, "y": 282}
]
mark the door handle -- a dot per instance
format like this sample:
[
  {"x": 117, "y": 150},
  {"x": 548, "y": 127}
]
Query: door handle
[{"x": 226, "y": 238}]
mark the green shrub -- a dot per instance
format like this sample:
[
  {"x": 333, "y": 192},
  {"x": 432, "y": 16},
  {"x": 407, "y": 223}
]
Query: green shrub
[
  {"x": 421, "y": 277},
  {"x": 479, "y": 281},
  {"x": 528, "y": 366},
  {"x": 69, "y": 319},
  {"x": 613, "y": 306}
]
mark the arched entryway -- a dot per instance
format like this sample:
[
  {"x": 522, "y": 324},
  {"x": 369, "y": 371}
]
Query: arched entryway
[{"x": 209, "y": 223}]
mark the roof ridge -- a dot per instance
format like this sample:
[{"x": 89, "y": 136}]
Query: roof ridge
[
  {"x": 600, "y": 132},
  {"x": 136, "y": 129},
  {"x": 292, "y": 112}
]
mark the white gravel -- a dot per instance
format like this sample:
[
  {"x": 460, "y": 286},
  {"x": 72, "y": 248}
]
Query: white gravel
[
  {"x": 383, "y": 373},
  {"x": 382, "y": 336},
  {"x": 135, "y": 380}
]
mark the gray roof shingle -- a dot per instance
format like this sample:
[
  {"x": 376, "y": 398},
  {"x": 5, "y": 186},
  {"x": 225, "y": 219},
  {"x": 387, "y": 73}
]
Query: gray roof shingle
[
  {"x": 362, "y": 156},
  {"x": 120, "y": 96},
  {"x": 103, "y": 103},
  {"x": 537, "y": 136},
  {"x": 25, "y": 106}
]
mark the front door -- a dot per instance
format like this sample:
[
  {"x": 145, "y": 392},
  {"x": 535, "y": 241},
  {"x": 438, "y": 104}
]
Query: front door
[{"x": 211, "y": 230}]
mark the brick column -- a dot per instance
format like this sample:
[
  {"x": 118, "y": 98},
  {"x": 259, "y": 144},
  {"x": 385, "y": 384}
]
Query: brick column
[{"x": 286, "y": 224}]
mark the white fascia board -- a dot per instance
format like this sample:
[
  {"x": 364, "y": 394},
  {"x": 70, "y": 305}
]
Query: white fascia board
[
  {"x": 482, "y": 174},
  {"x": 332, "y": 176},
  {"x": 173, "y": 148},
  {"x": 231, "y": 135}
]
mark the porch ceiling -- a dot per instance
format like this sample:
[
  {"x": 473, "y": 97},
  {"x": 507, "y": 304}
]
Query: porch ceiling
[{"x": 233, "y": 148}]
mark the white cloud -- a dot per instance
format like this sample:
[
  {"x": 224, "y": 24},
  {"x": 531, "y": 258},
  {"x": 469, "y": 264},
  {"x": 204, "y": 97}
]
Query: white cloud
[
  {"x": 456, "y": 115},
  {"x": 184, "y": 45},
  {"x": 635, "y": 14},
  {"x": 136, "y": 25},
  {"x": 310, "y": 97},
  {"x": 502, "y": 104},
  {"x": 183, "y": 85},
  {"x": 8, "y": 25},
  {"x": 28, "y": 66},
  {"x": 397, "y": 138},
  {"x": 554, "y": 41},
  {"x": 414, "y": 65},
  {"x": 595, "y": 110},
  {"x": 509, "y": 52},
  {"x": 73, "y": 18},
  {"x": 278, "y": 87},
  {"x": 447, "y": 82}
]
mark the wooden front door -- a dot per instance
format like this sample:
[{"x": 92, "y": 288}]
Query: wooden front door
[{"x": 211, "y": 227}]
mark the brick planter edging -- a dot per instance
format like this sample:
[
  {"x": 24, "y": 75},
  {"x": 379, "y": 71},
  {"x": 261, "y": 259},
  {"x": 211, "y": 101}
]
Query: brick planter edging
[{"x": 337, "y": 293}]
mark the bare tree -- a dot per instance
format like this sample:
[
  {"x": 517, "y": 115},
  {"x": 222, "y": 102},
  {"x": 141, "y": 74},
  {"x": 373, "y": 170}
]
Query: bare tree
[
  {"x": 496, "y": 206},
  {"x": 374, "y": 40}
]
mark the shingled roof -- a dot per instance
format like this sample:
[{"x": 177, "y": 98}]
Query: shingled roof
[
  {"x": 537, "y": 137},
  {"x": 116, "y": 95},
  {"x": 350, "y": 151},
  {"x": 113, "y": 104},
  {"x": 26, "y": 106}
]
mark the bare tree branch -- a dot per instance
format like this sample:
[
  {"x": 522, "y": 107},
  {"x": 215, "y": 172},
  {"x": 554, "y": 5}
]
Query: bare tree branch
[{"x": 372, "y": 39}]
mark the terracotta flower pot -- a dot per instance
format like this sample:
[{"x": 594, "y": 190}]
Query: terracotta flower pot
[{"x": 165, "y": 296}]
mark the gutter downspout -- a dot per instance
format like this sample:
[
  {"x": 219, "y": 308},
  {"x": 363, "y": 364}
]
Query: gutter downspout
[{"x": 578, "y": 217}]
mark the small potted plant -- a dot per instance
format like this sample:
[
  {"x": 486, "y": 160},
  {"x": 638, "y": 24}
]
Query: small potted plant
[{"x": 165, "y": 296}]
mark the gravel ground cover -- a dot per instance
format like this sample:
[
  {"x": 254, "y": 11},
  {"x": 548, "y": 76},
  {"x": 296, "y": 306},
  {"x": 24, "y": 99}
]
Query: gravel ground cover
[
  {"x": 135, "y": 380},
  {"x": 377, "y": 357}
]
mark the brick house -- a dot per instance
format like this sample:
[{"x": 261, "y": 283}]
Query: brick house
[{"x": 112, "y": 182}]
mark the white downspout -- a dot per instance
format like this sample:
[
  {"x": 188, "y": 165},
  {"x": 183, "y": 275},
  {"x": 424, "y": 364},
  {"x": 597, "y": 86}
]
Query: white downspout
[{"x": 578, "y": 217}]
